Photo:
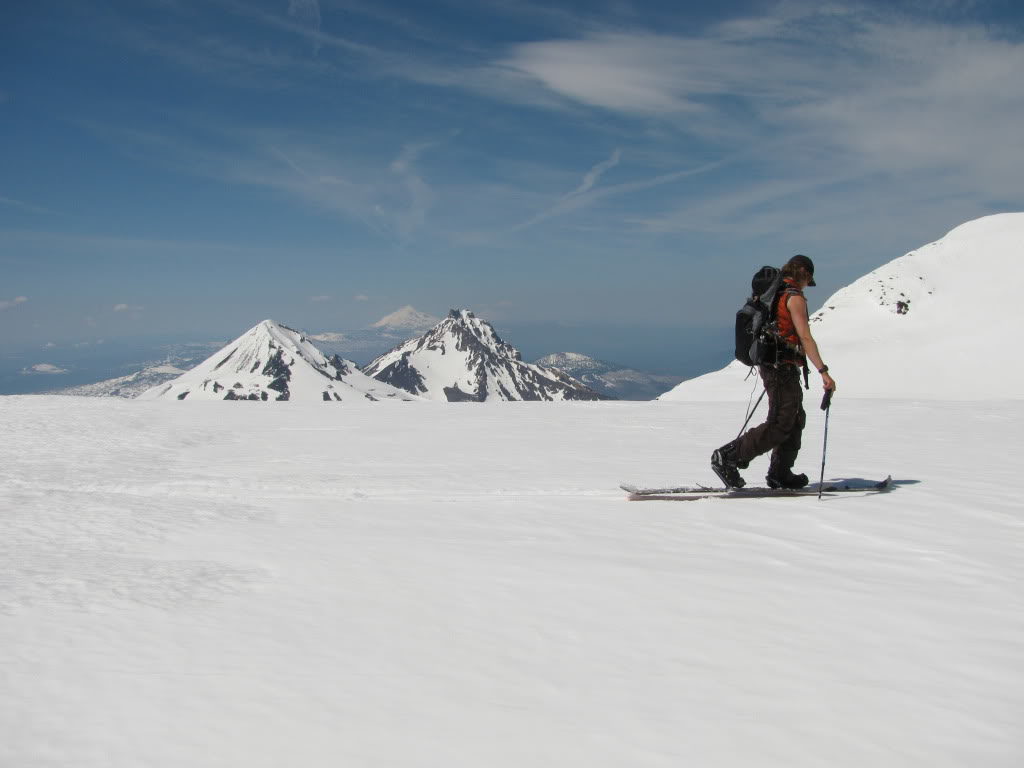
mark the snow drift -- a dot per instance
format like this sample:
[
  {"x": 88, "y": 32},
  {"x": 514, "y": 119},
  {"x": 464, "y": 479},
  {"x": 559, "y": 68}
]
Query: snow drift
[{"x": 935, "y": 323}]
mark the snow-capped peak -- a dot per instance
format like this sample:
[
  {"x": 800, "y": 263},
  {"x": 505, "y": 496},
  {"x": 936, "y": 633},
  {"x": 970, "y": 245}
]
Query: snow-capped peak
[
  {"x": 463, "y": 358},
  {"x": 271, "y": 361},
  {"x": 408, "y": 318}
]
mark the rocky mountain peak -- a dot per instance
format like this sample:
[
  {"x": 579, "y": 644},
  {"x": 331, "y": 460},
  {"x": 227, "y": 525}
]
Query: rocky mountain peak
[
  {"x": 271, "y": 361},
  {"x": 463, "y": 358}
]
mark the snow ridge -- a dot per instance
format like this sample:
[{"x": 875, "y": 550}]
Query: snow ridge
[
  {"x": 274, "y": 362},
  {"x": 129, "y": 386},
  {"x": 462, "y": 358},
  {"x": 935, "y": 323}
]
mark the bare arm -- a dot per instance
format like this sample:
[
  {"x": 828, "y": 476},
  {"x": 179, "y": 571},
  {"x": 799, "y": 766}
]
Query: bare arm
[{"x": 798, "y": 311}]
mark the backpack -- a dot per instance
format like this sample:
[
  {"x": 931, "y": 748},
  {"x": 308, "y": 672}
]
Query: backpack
[{"x": 756, "y": 342}]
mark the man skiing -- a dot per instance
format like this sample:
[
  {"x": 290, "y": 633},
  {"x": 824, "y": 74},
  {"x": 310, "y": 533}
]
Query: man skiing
[{"x": 782, "y": 430}]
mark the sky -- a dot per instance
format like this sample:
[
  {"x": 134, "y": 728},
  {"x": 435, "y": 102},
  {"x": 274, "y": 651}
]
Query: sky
[{"x": 189, "y": 168}]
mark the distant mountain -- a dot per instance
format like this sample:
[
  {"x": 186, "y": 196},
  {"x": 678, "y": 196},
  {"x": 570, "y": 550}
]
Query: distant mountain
[
  {"x": 463, "y": 359},
  {"x": 610, "y": 379},
  {"x": 407, "y": 320},
  {"x": 365, "y": 344},
  {"x": 274, "y": 362},
  {"x": 128, "y": 386},
  {"x": 936, "y": 323}
]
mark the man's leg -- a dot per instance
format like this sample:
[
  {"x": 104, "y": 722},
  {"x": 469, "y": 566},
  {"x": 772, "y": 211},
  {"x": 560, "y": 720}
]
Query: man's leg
[
  {"x": 784, "y": 455},
  {"x": 785, "y": 409},
  {"x": 733, "y": 456}
]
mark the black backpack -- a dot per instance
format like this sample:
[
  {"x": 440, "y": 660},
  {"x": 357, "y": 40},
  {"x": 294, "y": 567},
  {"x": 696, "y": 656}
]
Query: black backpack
[{"x": 756, "y": 341}]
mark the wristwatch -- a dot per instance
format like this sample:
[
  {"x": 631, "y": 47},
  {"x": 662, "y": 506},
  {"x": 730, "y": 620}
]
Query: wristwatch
[{"x": 823, "y": 369}]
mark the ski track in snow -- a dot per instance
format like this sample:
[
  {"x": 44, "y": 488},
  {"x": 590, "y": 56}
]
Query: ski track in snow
[{"x": 425, "y": 584}]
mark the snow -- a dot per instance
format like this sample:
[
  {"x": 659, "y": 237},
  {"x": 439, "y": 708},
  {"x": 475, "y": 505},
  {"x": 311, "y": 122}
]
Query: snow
[
  {"x": 384, "y": 583},
  {"x": 128, "y": 386},
  {"x": 937, "y": 323},
  {"x": 425, "y": 584},
  {"x": 463, "y": 358},
  {"x": 407, "y": 319},
  {"x": 610, "y": 379},
  {"x": 272, "y": 362}
]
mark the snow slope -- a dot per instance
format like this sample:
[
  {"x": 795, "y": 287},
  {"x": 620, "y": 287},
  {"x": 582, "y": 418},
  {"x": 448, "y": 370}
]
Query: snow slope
[
  {"x": 274, "y": 362},
  {"x": 128, "y": 386},
  {"x": 940, "y": 322},
  {"x": 610, "y": 379},
  {"x": 462, "y": 358},
  {"x": 366, "y": 586}
]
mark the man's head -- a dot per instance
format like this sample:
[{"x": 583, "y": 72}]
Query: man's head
[{"x": 800, "y": 268}]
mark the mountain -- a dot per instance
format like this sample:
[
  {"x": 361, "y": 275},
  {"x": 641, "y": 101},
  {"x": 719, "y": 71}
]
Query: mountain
[
  {"x": 610, "y": 379},
  {"x": 368, "y": 343},
  {"x": 939, "y": 322},
  {"x": 462, "y": 358},
  {"x": 128, "y": 386},
  {"x": 274, "y": 362},
  {"x": 407, "y": 320}
]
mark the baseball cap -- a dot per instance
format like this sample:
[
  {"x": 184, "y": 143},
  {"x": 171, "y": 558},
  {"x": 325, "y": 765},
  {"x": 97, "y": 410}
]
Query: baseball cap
[{"x": 802, "y": 261}]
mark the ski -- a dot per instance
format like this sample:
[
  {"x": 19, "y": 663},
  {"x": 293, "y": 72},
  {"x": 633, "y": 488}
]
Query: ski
[{"x": 693, "y": 492}]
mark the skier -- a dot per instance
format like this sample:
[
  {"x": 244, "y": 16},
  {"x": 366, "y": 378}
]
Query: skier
[{"x": 781, "y": 431}]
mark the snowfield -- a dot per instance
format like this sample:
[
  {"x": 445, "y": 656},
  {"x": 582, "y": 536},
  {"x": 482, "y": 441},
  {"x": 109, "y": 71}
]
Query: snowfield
[
  {"x": 432, "y": 584},
  {"x": 938, "y": 323}
]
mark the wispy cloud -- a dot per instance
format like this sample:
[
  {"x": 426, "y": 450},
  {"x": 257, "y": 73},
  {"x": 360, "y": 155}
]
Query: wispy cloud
[
  {"x": 9, "y": 303},
  {"x": 360, "y": 297},
  {"x": 578, "y": 199},
  {"x": 319, "y": 299},
  {"x": 307, "y": 12},
  {"x": 128, "y": 308},
  {"x": 817, "y": 99},
  {"x": 595, "y": 173}
]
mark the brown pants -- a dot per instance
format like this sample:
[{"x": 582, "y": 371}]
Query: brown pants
[{"x": 784, "y": 426}]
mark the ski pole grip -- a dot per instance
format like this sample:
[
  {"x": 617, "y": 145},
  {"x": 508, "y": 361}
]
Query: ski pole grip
[{"x": 826, "y": 401}]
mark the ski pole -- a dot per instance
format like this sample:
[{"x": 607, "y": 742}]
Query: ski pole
[{"x": 826, "y": 406}]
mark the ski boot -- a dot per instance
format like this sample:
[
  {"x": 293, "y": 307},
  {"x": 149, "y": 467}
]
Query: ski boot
[
  {"x": 784, "y": 478},
  {"x": 725, "y": 464}
]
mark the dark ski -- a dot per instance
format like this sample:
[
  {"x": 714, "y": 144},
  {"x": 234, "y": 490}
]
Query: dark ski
[{"x": 694, "y": 492}]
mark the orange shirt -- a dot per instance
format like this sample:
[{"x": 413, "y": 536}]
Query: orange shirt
[{"x": 787, "y": 331}]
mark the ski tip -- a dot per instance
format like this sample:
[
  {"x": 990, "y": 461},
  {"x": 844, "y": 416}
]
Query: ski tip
[{"x": 628, "y": 488}]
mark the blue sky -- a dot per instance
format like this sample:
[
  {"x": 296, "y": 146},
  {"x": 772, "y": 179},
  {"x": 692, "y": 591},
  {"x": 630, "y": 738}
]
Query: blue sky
[{"x": 192, "y": 167}]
